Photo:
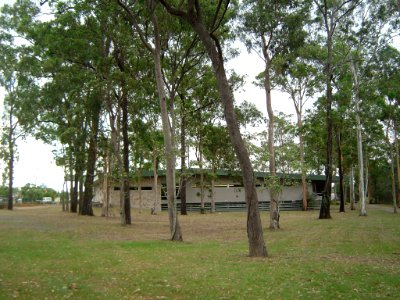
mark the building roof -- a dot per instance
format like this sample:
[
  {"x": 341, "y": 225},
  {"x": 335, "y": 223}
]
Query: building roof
[{"x": 229, "y": 173}]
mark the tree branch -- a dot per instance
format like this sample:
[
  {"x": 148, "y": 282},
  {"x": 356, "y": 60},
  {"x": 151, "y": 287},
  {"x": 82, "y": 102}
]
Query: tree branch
[
  {"x": 132, "y": 20},
  {"x": 172, "y": 10}
]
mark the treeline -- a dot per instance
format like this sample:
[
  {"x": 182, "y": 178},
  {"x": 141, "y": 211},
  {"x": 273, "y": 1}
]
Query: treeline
[
  {"x": 30, "y": 193},
  {"x": 124, "y": 86}
]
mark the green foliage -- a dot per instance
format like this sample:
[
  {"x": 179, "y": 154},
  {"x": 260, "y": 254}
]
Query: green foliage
[
  {"x": 3, "y": 191},
  {"x": 217, "y": 148},
  {"x": 31, "y": 193}
]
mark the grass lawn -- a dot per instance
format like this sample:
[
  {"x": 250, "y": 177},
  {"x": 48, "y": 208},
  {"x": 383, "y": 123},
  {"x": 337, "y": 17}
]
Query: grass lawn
[{"x": 48, "y": 254}]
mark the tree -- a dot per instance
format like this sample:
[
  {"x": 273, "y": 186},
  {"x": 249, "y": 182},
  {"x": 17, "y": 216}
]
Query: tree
[
  {"x": 218, "y": 151},
  {"x": 388, "y": 64},
  {"x": 331, "y": 14},
  {"x": 11, "y": 77},
  {"x": 168, "y": 130},
  {"x": 207, "y": 33},
  {"x": 301, "y": 81},
  {"x": 10, "y": 135},
  {"x": 274, "y": 29}
]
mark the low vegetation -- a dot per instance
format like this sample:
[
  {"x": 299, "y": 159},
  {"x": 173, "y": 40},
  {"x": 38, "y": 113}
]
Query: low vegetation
[{"x": 47, "y": 254}]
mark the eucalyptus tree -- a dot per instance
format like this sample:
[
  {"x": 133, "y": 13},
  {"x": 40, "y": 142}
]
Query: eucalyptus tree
[
  {"x": 314, "y": 138},
  {"x": 330, "y": 14},
  {"x": 388, "y": 62},
  {"x": 71, "y": 49},
  {"x": 365, "y": 32},
  {"x": 343, "y": 128},
  {"x": 273, "y": 29},
  {"x": 285, "y": 145},
  {"x": 185, "y": 74},
  {"x": 218, "y": 151},
  {"x": 74, "y": 40},
  {"x": 389, "y": 129},
  {"x": 188, "y": 75},
  {"x": 207, "y": 21},
  {"x": 154, "y": 45},
  {"x": 299, "y": 78},
  {"x": 9, "y": 132},
  {"x": 15, "y": 79},
  {"x": 204, "y": 112}
]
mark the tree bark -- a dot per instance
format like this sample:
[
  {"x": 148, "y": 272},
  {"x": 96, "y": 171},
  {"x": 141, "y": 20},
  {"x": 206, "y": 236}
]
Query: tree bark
[
  {"x": 298, "y": 105},
  {"x": 202, "y": 208},
  {"x": 352, "y": 196},
  {"x": 11, "y": 144},
  {"x": 340, "y": 167},
  {"x": 214, "y": 51},
  {"x": 155, "y": 185},
  {"x": 88, "y": 194},
  {"x": 396, "y": 143},
  {"x": 140, "y": 192},
  {"x": 74, "y": 191},
  {"x": 213, "y": 194},
  {"x": 65, "y": 189},
  {"x": 92, "y": 157},
  {"x": 363, "y": 211},
  {"x": 125, "y": 158},
  {"x": 183, "y": 161},
  {"x": 175, "y": 229},
  {"x": 392, "y": 174},
  {"x": 105, "y": 211},
  {"x": 324, "y": 212},
  {"x": 274, "y": 201},
  {"x": 303, "y": 171},
  {"x": 392, "y": 177}
]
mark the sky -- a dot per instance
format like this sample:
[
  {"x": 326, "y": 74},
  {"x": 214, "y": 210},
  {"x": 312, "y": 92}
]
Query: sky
[{"x": 36, "y": 161}]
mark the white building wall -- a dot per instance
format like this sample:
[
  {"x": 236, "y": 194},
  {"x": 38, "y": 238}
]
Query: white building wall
[{"x": 225, "y": 191}]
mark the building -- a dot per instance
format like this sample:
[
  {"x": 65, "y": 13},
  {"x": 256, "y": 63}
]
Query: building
[{"x": 228, "y": 191}]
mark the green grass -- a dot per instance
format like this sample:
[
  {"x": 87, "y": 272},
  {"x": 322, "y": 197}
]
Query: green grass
[{"x": 45, "y": 253}]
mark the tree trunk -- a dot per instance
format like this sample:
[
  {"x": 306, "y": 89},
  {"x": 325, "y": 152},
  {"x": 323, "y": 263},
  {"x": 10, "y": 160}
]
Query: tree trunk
[
  {"x": 352, "y": 196},
  {"x": 274, "y": 197},
  {"x": 393, "y": 179},
  {"x": 254, "y": 227},
  {"x": 65, "y": 188},
  {"x": 396, "y": 143},
  {"x": 125, "y": 156},
  {"x": 81, "y": 190},
  {"x": 140, "y": 192},
  {"x": 213, "y": 194},
  {"x": 183, "y": 159},
  {"x": 366, "y": 176},
  {"x": 105, "y": 211},
  {"x": 340, "y": 167},
  {"x": 92, "y": 157},
  {"x": 74, "y": 192},
  {"x": 155, "y": 185},
  {"x": 10, "y": 197},
  {"x": 202, "y": 208},
  {"x": 303, "y": 171},
  {"x": 11, "y": 143},
  {"x": 214, "y": 51},
  {"x": 392, "y": 170},
  {"x": 363, "y": 211},
  {"x": 88, "y": 193},
  {"x": 325, "y": 212},
  {"x": 175, "y": 229},
  {"x": 298, "y": 105}
]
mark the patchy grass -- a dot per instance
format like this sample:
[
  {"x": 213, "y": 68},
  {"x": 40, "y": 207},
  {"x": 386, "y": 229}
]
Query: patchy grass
[{"x": 45, "y": 253}]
